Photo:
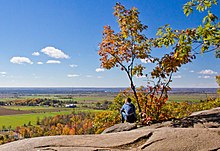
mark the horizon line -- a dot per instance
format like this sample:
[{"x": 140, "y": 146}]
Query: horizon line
[{"x": 94, "y": 87}]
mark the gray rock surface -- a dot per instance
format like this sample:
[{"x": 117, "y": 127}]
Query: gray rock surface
[
  {"x": 120, "y": 128},
  {"x": 165, "y": 139},
  {"x": 201, "y": 119},
  {"x": 203, "y": 134},
  {"x": 207, "y": 112}
]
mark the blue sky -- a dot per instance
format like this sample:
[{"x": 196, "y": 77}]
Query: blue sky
[{"x": 54, "y": 43}]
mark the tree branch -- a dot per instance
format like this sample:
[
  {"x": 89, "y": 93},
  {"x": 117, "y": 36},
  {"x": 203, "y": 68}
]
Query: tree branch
[{"x": 207, "y": 51}]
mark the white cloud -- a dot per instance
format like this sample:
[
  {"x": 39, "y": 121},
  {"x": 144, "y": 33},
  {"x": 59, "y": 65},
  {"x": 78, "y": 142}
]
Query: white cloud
[
  {"x": 73, "y": 65},
  {"x": 3, "y": 74},
  {"x": 99, "y": 70},
  {"x": 54, "y": 53},
  {"x": 35, "y": 54},
  {"x": 99, "y": 77},
  {"x": 177, "y": 77},
  {"x": 72, "y": 75},
  {"x": 208, "y": 71},
  {"x": 88, "y": 76},
  {"x": 147, "y": 60},
  {"x": 53, "y": 62},
  {"x": 20, "y": 60},
  {"x": 192, "y": 71},
  {"x": 204, "y": 77},
  {"x": 39, "y": 62},
  {"x": 35, "y": 76}
]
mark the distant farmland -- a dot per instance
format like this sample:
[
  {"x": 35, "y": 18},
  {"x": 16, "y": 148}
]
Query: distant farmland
[
  {"x": 20, "y": 119},
  {"x": 13, "y": 116},
  {"x": 4, "y": 111}
]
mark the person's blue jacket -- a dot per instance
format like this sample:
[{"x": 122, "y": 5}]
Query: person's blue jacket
[{"x": 128, "y": 108}]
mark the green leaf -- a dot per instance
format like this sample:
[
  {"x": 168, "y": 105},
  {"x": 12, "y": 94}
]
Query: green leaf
[
  {"x": 159, "y": 32},
  {"x": 200, "y": 8},
  {"x": 204, "y": 19},
  {"x": 207, "y": 3}
]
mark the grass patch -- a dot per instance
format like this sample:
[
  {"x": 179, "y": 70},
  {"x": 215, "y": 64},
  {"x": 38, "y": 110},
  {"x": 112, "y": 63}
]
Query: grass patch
[
  {"x": 21, "y": 119},
  {"x": 190, "y": 97},
  {"x": 27, "y": 108}
]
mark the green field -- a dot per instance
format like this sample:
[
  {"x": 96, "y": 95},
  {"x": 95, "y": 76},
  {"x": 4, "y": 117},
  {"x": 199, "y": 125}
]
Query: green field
[
  {"x": 82, "y": 97},
  {"x": 84, "y": 104},
  {"x": 21, "y": 119},
  {"x": 191, "y": 97},
  {"x": 27, "y": 108}
]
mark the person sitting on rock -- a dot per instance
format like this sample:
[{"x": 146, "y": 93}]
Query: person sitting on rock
[{"x": 128, "y": 112}]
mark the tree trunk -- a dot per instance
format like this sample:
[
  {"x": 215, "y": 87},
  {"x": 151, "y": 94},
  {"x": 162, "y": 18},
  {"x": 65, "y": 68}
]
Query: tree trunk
[
  {"x": 135, "y": 95},
  {"x": 133, "y": 89}
]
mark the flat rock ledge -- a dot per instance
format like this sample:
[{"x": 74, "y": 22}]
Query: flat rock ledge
[
  {"x": 161, "y": 139},
  {"x": 198, "y": 132},
  {"x": 120, "y": 128}
]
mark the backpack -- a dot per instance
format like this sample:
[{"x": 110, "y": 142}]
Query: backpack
[{"x": 131, "y": 118}]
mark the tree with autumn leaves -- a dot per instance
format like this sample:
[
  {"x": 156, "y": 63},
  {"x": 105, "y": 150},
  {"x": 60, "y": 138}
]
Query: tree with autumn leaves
[{"x": 125, "y": 49}]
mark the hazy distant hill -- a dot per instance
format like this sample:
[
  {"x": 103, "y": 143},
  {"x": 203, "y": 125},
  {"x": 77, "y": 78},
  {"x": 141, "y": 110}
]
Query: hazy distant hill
[{"x": 31, "y": 91}]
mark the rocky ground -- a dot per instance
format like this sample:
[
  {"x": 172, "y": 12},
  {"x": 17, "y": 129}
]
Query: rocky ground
[{"x": 200, "y": 131}]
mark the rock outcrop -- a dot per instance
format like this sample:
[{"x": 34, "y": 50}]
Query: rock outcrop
[
  {"x": 120, "y": 128},
  {"x": 199, "y": 131},
  {"x": 201, "y": 119}
]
